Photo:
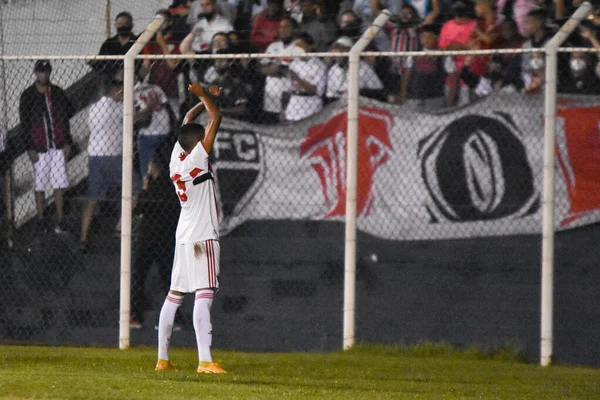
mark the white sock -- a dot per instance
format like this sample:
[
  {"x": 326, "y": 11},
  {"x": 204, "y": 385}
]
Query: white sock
[
  {"x": 165, "y": 324},
  {"x": 202, "y": 324}
]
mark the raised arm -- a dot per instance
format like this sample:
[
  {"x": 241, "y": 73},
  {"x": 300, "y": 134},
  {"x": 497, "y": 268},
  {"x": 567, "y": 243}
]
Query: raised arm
[
  {"x": 193, "y": 113},
  {"x": 214, "y": 115}
]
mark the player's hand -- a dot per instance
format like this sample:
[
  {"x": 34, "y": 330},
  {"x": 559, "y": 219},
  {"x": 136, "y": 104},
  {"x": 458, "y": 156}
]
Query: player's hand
[
  {"x": 196, "y": 89},
  {"x": 215, "y": 90},
  {"x": 67, "y": 150}
]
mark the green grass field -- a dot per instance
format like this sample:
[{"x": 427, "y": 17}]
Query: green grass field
[{"x": 367, "y": 372}]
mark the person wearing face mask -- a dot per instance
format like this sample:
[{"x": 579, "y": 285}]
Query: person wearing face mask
[
  {"x": 350, "y": 25},
  {"x": 209, "y": 23},
  {"x": 537, "y": 36},
  {"x": 233, "y": 100},
  {"x": 337, "y": 77},
  {"x": 404, "y": 35},
  {"x": 117, "y": 45},
  {"x": 308, "y": 77},
  {"x": 275, "y": 70},
  {"x": 265, "y": 29},
  {"x": 583, "y": 76},
  {"x": 196, "y": 11}
]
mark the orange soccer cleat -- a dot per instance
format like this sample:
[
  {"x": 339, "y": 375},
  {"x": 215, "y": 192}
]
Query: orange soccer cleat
[
  {"x": 164, "y": 365},
  {"x": 210, "y": 368}
]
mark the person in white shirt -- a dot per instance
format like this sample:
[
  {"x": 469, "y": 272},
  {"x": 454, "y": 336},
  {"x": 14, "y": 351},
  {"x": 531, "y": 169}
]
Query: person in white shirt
[
  {"x": 337, "y": 77},
  {"x": 223, "y": 7},
  {"x": 204, "y": 30},
  {"x": 155, "y": 120},
  {"x": 308, "y": 77},
  {"x": 275, "y": 69},
  {"x": 105, "y": 148}
]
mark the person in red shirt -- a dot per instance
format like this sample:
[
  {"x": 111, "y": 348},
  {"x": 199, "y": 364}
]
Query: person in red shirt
[
  {"x": 266, "y": 25},
  {"x": 163, "y": 73}
]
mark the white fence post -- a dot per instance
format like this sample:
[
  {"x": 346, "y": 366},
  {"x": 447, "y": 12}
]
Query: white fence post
[
  {"x": 127, "y": 191},
  {"x": 351, "y": 177},
  {"x": 548, "y": 194}
]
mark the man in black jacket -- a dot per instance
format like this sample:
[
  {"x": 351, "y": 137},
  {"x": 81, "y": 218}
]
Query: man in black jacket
[
  {"x": 117, "y": 45},
  {"x": 45, "y": 112}
]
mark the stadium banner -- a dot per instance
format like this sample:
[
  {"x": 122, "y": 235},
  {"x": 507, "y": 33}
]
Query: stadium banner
[{"x": 473, "y": 171}]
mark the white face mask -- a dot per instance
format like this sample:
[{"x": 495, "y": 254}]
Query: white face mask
[
  {"x": 578, "y": 64},
  {"x": 537, "y": 63}
]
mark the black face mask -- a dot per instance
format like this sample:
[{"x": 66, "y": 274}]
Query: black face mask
[
  {"x": 124, "y": 30},
  {"x": 351, "y": 30},
  {"x": 287, "y": 41},
  {"x": 208, "y": 16},
  {"x": 460, "y": 11}
]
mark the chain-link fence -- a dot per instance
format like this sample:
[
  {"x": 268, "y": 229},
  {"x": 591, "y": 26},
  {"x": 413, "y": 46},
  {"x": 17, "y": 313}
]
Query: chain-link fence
[{"x": 449, "y": 194}]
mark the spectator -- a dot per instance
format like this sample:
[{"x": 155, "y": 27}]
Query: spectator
[
  {"x": 425, "y": 78},
  {"x": 265, "y": 29},
  {"x": 208, "y": 24},
  {"x": 155, "y": 120},
  {"x": 337, "y": 77},
  {"x": 318, "y": 24},
  {"x": 105, "y": 148},
  {"x": 117, "y": 45},
  {"x": 584, "y": 68},
  {"x": 199, "y": 7},
  {"x": 404, "y": 36},
  {"x": 427, "y": 10},
  {"x": 164, "y": 73},
  {"x": 308, "y": 77},
  {"x": 45, "y": 111},
  {"x": 535, "y": 30},
  {"x": 233, "y": 100},
  {"x": 516, "y": 10},
  {"x": 219, "y": 41},
  {"x": 350, "y": 25},
  {"x": 274, "y": 70},
  {"x": 495, "y": 79},
  {"x": 509, "y": 36},
  {"x": 457, "y": 34},
  {"x": 179, "y": 11},
  {"x": 158, "y": 206},
  {"x": 244, "y": 12},
  {"x": 368, "y": 10},
  {"x": 487, "y": 32}
]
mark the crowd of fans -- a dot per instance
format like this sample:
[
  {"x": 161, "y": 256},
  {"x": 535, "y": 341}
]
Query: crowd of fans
[
  {"x": 275, "y": 89},
  {"x": 269, "y": 90}
]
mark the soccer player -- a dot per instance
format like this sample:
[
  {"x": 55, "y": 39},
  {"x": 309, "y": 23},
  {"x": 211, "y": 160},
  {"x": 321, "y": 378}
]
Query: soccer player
[{"x": 197, "y": 251}]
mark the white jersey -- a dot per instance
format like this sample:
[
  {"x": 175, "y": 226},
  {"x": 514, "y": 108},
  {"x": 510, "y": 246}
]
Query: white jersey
[{"x": 194, "y": 183}]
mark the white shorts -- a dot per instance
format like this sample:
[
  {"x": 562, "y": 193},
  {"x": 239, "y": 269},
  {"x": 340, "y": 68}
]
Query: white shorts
[
  {"x": 196, "y": 266},
  {"x": 50, "y": 171}
]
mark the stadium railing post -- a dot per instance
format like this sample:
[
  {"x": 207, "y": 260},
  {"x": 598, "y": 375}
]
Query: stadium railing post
[
  {"x": 127, "y": 191},
  {"x": 551, "y": 50},
  {"x": 351, "y": 178}
]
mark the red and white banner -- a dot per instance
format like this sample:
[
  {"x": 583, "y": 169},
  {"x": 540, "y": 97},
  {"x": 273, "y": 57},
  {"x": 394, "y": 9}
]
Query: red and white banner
[{"x": 476, "y": 171}]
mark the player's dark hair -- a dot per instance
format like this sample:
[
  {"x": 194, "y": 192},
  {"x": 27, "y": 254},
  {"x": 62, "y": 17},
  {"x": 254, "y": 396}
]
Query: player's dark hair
[
  {"x": 125, "y": 14},
  {"x": 189, "y": 135}
]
